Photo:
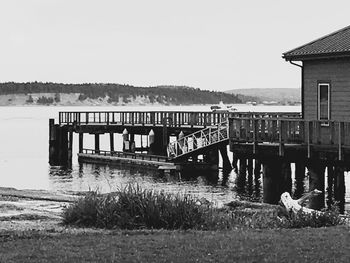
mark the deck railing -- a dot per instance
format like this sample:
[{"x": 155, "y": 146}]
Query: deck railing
[
  {"x": 160, "y": 118},
  {"x": 332, "y": 134},
  {"x": 128, "y": 155}
]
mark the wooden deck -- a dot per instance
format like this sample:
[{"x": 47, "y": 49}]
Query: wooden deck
[
  {"x": 292, "y": 138},
  {"x": 100, "y": 156}
]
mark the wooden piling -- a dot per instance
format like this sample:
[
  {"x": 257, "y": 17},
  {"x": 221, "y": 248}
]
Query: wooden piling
[
  {"x": 272, "y": 170},
  {"x": 299, "y": 179},
  {"x": 81, "y": 142},
  {"x": 241, "y": 175},
  {"x": 250, "y": 175},
  {"x": 111, "y": 141},
  {"x": 212, "y": 158},
  {"x": 316, "y": 181},
  {"x": 62, "y": 145},
  {"x": 225, "y": 160},
  {"x": 234, "y": 162},
  {"x": 330, "y": 184},
  {"x": 70, "y": 148},
  {"x": 97, "y": 143},
  {"x": 339, "y": 188},
  {"x": 286, "y": 180},
  {"x": 257, "y": 169},
  {"x": 53, "y": 139}
]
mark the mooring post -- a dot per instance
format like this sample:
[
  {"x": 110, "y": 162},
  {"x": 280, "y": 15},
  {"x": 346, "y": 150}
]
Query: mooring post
[
  {"x": 111, "y": 141},
  {"x": 97, "y": 143},
  {"x": 299, "y": 179},
  {"x": 316, "y": 181},
  {"x": 339, "y": 188},
  {"x": 81, "y": 142}
]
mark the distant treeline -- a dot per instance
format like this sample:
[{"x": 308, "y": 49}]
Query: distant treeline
[{"x": 162, "y": 94}]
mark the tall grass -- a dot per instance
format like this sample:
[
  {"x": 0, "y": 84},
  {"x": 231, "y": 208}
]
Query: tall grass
[{"x": 134, "y": 208}]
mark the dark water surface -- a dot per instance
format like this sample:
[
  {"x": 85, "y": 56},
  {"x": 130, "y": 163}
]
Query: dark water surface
[{"x": 24, "y": 159}]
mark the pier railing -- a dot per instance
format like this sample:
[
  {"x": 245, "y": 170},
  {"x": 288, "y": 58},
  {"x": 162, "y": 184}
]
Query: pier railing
[
  {"x": 199, "y": 140},
  {"x": 127, "y": 155},
  {"x": 333, "y": 134},
  {"x": 160, "y": 118}
]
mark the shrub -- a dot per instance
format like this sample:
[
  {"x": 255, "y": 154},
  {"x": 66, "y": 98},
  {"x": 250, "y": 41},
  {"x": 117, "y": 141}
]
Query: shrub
[
  {"x": 301, "y": 219},
  {"x": 134, "y": 208}
]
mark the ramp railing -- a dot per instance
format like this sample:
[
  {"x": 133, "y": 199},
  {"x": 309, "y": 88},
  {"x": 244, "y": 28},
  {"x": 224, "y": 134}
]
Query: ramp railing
[{"x": 199, "y": 140}]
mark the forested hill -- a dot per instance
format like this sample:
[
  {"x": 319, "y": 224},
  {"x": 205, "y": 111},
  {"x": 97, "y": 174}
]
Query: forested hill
[{"x": 116, "y": 94}]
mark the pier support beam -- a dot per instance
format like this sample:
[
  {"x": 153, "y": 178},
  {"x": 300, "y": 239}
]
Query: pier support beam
[
  {"x": 257, "y": 169},
  {"x": 241, "y": 175},
  {"x": 330, "y": 184},
  {"x": 97, "y": 143},
  {"x": 339, "y": 188},
  {"x": 234, "y": 162},
  {"x": 271, "y": 171},
  {"x": 276, "y": 179},
  {"x": 299, "y": 179},
  {"x": 250, "y": 175},
  {"x": 286, "y": 174},
  {"x": 53, "y": 142},
  {"x": 212, "y": 158},
  {"x": 111, "y": 141},
  {"x": 70, "y": 148},
  {"x": 81, "y": 142},
  {"x": 225, "y": 160},
  {"x": 316, "y": 181}
]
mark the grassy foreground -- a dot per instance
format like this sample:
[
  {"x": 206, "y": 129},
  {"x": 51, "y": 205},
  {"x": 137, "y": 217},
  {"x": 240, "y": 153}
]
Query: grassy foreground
[{"x": 329, "y": 244}]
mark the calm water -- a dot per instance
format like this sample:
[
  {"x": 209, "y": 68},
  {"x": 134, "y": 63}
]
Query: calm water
[{"x": 24, "y": 158}]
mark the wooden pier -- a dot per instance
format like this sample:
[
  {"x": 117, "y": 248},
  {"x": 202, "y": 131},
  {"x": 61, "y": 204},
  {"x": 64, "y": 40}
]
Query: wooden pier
[{"x": 258, "y": 140}]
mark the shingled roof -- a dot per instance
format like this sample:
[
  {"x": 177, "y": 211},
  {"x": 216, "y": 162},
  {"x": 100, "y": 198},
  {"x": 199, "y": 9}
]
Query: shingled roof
[{"x": 336, "y": 44}]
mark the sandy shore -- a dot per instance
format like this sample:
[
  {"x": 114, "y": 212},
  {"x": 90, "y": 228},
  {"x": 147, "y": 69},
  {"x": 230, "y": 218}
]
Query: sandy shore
[{"x": 34, "y": 210}]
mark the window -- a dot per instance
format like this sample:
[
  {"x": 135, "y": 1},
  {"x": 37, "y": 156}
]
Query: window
[{"x": 323, "y": 101}]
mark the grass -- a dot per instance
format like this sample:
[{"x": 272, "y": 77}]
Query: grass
[
  {"x": 248, "y": 245},
  {"x": 135, "y": 208}
]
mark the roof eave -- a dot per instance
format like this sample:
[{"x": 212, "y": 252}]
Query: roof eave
[{"x": 315, "y": 56}]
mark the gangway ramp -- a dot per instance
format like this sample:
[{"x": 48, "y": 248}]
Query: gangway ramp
[{"x": 199, "y": 142}]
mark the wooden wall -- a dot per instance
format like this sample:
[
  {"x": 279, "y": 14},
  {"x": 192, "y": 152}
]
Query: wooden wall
[{"x": 337, "y": 72}]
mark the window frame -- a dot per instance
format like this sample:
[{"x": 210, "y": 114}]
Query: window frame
[{"x": 319, "y": 84}]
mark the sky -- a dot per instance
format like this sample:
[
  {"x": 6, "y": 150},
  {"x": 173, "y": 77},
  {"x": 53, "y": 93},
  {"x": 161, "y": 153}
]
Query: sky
[{"x": 212, "y": 45}]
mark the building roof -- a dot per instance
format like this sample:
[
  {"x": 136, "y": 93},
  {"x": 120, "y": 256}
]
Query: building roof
[{"x": 334, "y": 45}]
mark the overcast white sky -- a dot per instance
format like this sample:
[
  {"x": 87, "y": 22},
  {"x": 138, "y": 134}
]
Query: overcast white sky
[{"x": 214, "y": 45}]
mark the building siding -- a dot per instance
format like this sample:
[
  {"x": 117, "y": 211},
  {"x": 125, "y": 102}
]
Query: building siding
[{"x": 335, "y": 71}]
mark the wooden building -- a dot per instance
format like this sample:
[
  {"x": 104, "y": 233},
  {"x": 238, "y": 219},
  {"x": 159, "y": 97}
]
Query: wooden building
[
  {"x": 319, "y": 139},
  {"x": 325, "y": 76}
]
